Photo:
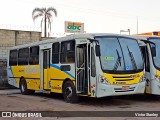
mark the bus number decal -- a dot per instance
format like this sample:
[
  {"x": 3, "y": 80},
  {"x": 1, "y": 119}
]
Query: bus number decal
[
  {"x": 119, "y": 83},
  {"x": 58, "y": 88},
  {"x": 111, "y": 58}
]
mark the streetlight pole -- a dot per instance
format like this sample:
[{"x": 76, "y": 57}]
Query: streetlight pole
[{"x": 128, "y": 30}]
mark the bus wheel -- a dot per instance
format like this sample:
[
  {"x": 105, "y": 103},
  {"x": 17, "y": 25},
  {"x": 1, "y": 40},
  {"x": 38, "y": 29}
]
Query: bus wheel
[
  {"x": 69, "y": 92},
  {"x": 23, "y": 88}
]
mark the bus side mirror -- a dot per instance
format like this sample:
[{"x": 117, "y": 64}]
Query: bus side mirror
[
  {"x": 98, "y": 50},
  {"x": 153, "y": 50}
]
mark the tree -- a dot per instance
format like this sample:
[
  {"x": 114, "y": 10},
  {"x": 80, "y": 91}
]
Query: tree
[{"x": 46, "y": 15}]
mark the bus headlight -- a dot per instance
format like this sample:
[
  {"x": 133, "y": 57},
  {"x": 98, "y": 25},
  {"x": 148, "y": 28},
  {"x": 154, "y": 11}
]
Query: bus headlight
[
  {"x": 143, "y": 78},
  {"x": 156, "y": 77},
  {"x": 103, "y": 80}
]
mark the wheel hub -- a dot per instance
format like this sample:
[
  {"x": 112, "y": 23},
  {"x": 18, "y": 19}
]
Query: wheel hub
[
  {"x": 68, "y": 92},
  {"x": 22, "y": 87}
]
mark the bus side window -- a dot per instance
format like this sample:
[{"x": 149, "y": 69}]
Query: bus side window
[
  {"x": 13, "y": 58},
  {"x": 68, "y": 52},
  {"x": 23, "y": 56},
  {"x": 55, "y": 53},
  {"x": 34, "y": 55}
]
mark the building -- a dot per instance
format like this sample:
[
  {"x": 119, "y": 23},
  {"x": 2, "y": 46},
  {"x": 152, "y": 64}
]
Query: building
[{"x": 8, "y": 39}]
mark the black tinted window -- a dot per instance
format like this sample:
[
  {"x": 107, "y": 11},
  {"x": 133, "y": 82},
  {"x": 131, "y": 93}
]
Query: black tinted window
[
  {"x": 55, "y": 53},
  {"x": 34, "y": 55},
  {"x": 23, "y": 56},
  {"x": 68, "y": 52},
  {"x": 13, "y": 57}
]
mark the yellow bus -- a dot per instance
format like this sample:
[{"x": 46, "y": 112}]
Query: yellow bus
[
  {"x": 150, "y": 47},
  {"x": 94, "y": 65}
]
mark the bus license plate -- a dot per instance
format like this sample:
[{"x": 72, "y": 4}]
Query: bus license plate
[{"x": 125, "y": 87}]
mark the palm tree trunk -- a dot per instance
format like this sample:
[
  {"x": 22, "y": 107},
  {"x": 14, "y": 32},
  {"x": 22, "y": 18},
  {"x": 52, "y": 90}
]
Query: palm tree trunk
[{"x": 45, "y": 26}]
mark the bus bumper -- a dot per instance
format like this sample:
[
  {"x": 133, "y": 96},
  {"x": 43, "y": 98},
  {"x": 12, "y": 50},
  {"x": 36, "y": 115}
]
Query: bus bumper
[
  {"x": 155, "y": 87},
  {"x": 115, "y": 90}
]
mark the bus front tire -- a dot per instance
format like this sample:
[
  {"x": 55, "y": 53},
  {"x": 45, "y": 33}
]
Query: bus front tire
[
  {"x": 23, "y": 88},
  {"x": 69, "y": 92}
]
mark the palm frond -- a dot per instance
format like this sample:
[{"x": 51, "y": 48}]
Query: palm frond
[
  {"x": 49, "y": 19},
  {"x": 52, "y": 9},
  {"x": 49, "y": 23},
  {"x": 46, "y": 15},
  {"x": 37, "y": 15},
  {"x": 49, "y": 16},
  {"x": 37, "y": 10},
  {"x": 44, "y": 10}
]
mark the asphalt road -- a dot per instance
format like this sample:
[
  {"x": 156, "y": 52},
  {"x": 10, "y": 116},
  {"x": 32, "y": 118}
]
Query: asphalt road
[{"x": 12, "y": 100}]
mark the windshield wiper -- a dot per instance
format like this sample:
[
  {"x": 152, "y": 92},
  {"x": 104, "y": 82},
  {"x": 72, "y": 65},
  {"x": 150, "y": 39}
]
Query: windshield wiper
[
  {"x": 118, "y": 62},
  {"x": 132, "y": 58}
]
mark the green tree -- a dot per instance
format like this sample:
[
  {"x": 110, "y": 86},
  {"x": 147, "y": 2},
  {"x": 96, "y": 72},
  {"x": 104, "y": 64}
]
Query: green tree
[{"x": 46, "y": 15}]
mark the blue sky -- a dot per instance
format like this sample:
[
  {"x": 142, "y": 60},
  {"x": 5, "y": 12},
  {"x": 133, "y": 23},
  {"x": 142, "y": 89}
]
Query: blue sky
[{"x": 109, "y": 16}]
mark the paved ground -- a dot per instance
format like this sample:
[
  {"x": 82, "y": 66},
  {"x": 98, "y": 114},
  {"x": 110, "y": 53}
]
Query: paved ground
[
  {"x": 9, "y": 91},
  {"x": 12, "y": 100}
]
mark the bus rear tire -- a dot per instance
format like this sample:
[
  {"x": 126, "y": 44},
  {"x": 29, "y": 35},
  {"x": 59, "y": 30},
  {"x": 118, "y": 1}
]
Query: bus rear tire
[
  {"x": 23, "y": 88},
  {"x": 69, "y": 92}
]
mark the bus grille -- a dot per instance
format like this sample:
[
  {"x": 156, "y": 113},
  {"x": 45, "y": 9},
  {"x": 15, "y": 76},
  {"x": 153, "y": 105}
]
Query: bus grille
[{"x": 121, "y": 90}]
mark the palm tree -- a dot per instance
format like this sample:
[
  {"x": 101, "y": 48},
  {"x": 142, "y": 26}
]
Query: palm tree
[{"x": 46, "y": 14}]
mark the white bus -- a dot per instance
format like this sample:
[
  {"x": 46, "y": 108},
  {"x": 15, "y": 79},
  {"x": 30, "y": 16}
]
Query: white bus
[
  {"x": 150, "y": 47},
  {"x": 94, "y": 65}
]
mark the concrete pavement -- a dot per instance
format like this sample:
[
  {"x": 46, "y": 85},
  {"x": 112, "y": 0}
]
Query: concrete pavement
[{"x": 9, "y": 91}]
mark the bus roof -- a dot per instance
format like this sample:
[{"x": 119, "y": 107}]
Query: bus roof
[
  {"x": 142, "y": 40},
  {"x": 143, "y": 37},
  {"x": 69, "y": 37}
]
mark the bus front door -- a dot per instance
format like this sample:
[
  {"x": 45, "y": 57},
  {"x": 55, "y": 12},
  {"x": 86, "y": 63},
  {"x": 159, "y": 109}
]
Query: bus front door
[
  {"x": 82, "y": 68},
  {"x": 147, "y": 68},
  {"x": 46, "y": 67}
]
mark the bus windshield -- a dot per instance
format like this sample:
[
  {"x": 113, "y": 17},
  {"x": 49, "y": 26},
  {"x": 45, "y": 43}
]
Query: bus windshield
[
  {"x": 156, "y": 59},
  {"x": 120, "y": 54}
]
